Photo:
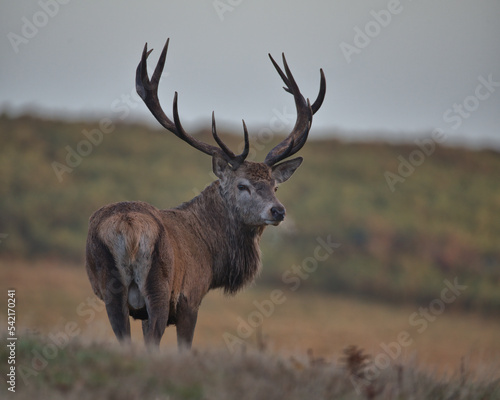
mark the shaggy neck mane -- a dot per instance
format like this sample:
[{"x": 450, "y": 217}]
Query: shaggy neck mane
[{"x": 233, "y": 245}]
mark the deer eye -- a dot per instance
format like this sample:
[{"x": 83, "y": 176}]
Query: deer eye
[
  {"x": 242, "y": 187},
  {"x": 276, "y": 189}
]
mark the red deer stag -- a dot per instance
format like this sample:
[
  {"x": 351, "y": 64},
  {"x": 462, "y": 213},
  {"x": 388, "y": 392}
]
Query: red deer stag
[{"x": 157, "y": 265}]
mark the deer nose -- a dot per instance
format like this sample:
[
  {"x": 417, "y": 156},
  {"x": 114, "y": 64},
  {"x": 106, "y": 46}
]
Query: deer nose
[{"x": 278, "y": 213}]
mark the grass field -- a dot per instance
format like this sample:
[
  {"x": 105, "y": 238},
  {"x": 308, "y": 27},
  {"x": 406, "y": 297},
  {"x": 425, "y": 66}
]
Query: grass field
[
  {"x": 98, "y": 371},
  {"x": 55, "y": 300},
  {"x": 413, "y": 283},
  {"x": 396, "y": 246}
]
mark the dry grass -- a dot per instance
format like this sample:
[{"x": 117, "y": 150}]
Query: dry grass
[
  {"x": 50, "y": 295},
  {"x": 106, "y": 371}
]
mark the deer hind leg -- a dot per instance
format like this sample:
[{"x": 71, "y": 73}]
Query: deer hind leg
[
  {"x": 157, "y": 298},
  {"x": 117, "y": 306}
]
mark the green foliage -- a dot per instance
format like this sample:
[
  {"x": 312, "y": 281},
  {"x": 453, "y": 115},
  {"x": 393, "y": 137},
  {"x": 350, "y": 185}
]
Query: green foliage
[{"x": 440, "y": 223}]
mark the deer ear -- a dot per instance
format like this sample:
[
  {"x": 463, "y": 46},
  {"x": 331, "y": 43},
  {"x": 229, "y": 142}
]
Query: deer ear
[
  {"x": 282, "y": 172},
  {"x": 220, "y": 166}
]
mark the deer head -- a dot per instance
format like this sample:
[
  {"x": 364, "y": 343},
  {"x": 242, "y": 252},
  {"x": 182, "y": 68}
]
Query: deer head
[{"x": 247, "y": 187}]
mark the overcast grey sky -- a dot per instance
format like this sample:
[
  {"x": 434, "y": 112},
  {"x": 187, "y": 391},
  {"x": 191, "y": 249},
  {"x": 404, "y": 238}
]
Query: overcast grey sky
[{"x": 393, "y": 68}]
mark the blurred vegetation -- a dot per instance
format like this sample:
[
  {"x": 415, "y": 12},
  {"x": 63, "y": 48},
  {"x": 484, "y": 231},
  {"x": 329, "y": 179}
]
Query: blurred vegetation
[
  {"x": 70, "y": 370},
  {"x": 441, "y": 223}
]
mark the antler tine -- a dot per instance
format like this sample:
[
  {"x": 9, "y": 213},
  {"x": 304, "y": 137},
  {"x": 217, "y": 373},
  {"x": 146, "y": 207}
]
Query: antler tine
[
  {"x": 281, "y": 73},
  {"x": 297, "y": 138},
  {"x": 322, "y": 91},
  {"x": 142, "y": 75},
  {"x": 182, "y": 134},
  {"x": 245, "y": 151},
  {"x": 221, "y": 144},
  {"x": 235, "y": 160},
  {"x": 148, "y": 91},
  {"x": 155, "y": 79},
  {"x": 292, "y": 85}
]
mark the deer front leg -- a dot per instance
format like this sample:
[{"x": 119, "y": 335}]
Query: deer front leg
[{"x": 186, "y": 322}]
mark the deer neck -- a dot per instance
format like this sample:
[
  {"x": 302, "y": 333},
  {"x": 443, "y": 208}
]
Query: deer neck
[{"x": 233, "y": 245}]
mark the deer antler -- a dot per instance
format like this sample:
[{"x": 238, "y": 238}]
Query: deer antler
[
  {"x": 297, "y": 138},
  {"x": 148, "y": 91}
]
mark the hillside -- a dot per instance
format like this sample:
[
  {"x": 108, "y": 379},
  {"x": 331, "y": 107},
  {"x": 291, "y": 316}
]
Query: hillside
[{"x": 440, "y": 223}]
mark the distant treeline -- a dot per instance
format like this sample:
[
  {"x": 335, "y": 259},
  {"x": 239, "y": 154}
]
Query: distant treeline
[{"x": 403, "y": 221}]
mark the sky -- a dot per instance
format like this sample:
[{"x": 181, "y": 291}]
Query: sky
[{"x": 395, "y": 69}]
